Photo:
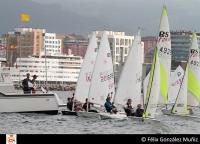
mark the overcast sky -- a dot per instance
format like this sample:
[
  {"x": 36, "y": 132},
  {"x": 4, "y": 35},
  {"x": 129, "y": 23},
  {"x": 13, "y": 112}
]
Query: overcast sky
[{"x": 83, "y": 16}]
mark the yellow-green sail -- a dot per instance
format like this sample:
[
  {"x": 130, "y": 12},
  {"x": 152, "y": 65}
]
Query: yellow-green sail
[
  {"x": 194, "y": 73},
  {"x": 163, "y": 82},
  {"x": 193, "y": 85},
  {"x": 164, "y": 49}
]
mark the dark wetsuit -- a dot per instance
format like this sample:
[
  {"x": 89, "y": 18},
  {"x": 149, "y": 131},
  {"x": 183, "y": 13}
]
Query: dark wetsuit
[
  {"x": 129, "y": 110},
  {"x": 26, "y": 88},
  {"x": 139, "y": 112}
]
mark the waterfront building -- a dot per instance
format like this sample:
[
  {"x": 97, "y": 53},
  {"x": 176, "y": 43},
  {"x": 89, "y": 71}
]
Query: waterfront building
[{"x": 55, "y": 70}]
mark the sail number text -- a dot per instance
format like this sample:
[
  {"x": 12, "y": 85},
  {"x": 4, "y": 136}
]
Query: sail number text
[
  {"x": 105, "y": 76},
  {"x": 164, "y": 36},
  {"x": 166, "y": 51},
  {"x": 195, "y": 63}
]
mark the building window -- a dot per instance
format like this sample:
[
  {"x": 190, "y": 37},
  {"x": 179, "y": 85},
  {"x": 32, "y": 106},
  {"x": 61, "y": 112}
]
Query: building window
[
  {"x": 126, "y": 42},
  {"x": 130, "y": 42},
  {"x": 126, "y": 51},
  {"x": 117, "y": 59},
  {"x": 117, "y": 41},
  {"x": 122, "y": 42},
  {"x": 117, "y": 50}
]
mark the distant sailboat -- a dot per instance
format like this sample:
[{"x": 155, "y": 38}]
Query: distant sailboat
[
  {"x": 174, "y": 86},
  {"x": 180, "y": 106},
  {"x": 175, "y": 83},
  {"x": 189, "y": 92},
  {"x": 85, "y": 76},
  {"x": 194, "y": 74}
]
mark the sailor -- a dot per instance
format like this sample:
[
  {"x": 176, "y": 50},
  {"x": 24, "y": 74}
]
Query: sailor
[
  {"x": 128, "y": 108},
  {"x": 69, "y": 103},
  {"x": 139, "y": 111},
  {"x": 33, "y": 81},
  {"x": 87, "y": 104},
  {"x": 90, "y": 105},
  {"x": 27, "y": 84},
  {"x": 109, "y": 106}
]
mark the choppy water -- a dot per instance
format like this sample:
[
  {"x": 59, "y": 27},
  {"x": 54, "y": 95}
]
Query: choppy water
[{"x": 62, "y": 124}]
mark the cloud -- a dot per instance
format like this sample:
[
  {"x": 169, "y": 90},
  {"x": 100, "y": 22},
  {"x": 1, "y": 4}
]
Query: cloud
[{"x": 82, "y": 16}]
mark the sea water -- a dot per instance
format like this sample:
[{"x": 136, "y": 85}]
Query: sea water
[{"x": 29, "y": 123}]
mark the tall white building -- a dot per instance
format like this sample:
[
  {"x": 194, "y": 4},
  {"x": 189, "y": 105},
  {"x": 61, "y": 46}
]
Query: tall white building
[{"x": 51, "y": 44}]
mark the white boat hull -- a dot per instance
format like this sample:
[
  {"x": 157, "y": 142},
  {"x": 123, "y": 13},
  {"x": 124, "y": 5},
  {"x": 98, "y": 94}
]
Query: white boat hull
[
  {"x": 141, "y": 119},
  {"x": 88, "y": 114},
  {"x": 168, "y": 112},
  {"x": 40, "y": 103},
  {"x": 112, "y": 116}
]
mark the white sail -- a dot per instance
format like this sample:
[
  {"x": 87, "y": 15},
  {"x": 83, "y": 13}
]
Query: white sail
[
  {"x": 129, "y": 85},
  {"x": 164, "y": 50},
  {"x": 175, "y": 83},
  {"x": 180, "y": 106},
  {"x": 103, "y": 76},
  {"x": 85, "y": 76},
  {"x": 194, "y": 74},
  {"x": 153, "y": 92}
]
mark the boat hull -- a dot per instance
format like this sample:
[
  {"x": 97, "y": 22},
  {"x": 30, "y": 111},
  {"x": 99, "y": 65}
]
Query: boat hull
[
  {"x": 112, "y": 116},
  {"x": 168, "y": 112},
  {"x": 28, "y": 103},
  {"x": 72, "y": 113},
  {"x": 88, "y": 114}
]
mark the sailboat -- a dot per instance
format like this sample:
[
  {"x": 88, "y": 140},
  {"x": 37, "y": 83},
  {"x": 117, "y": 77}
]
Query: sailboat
[
  {"x": 102, "y": 81},
  {"x": 164, "y": 53},
  {"x": 189, "y": 91},
  {"x": 193, "y": 74},
  {"x": 152, "y": 94},
  {"x": 158, "y": 83},
  {"x": 85, "y": 76},
  {"x": 175, "y": 83},
  {"x": 129, "y": 86}
]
